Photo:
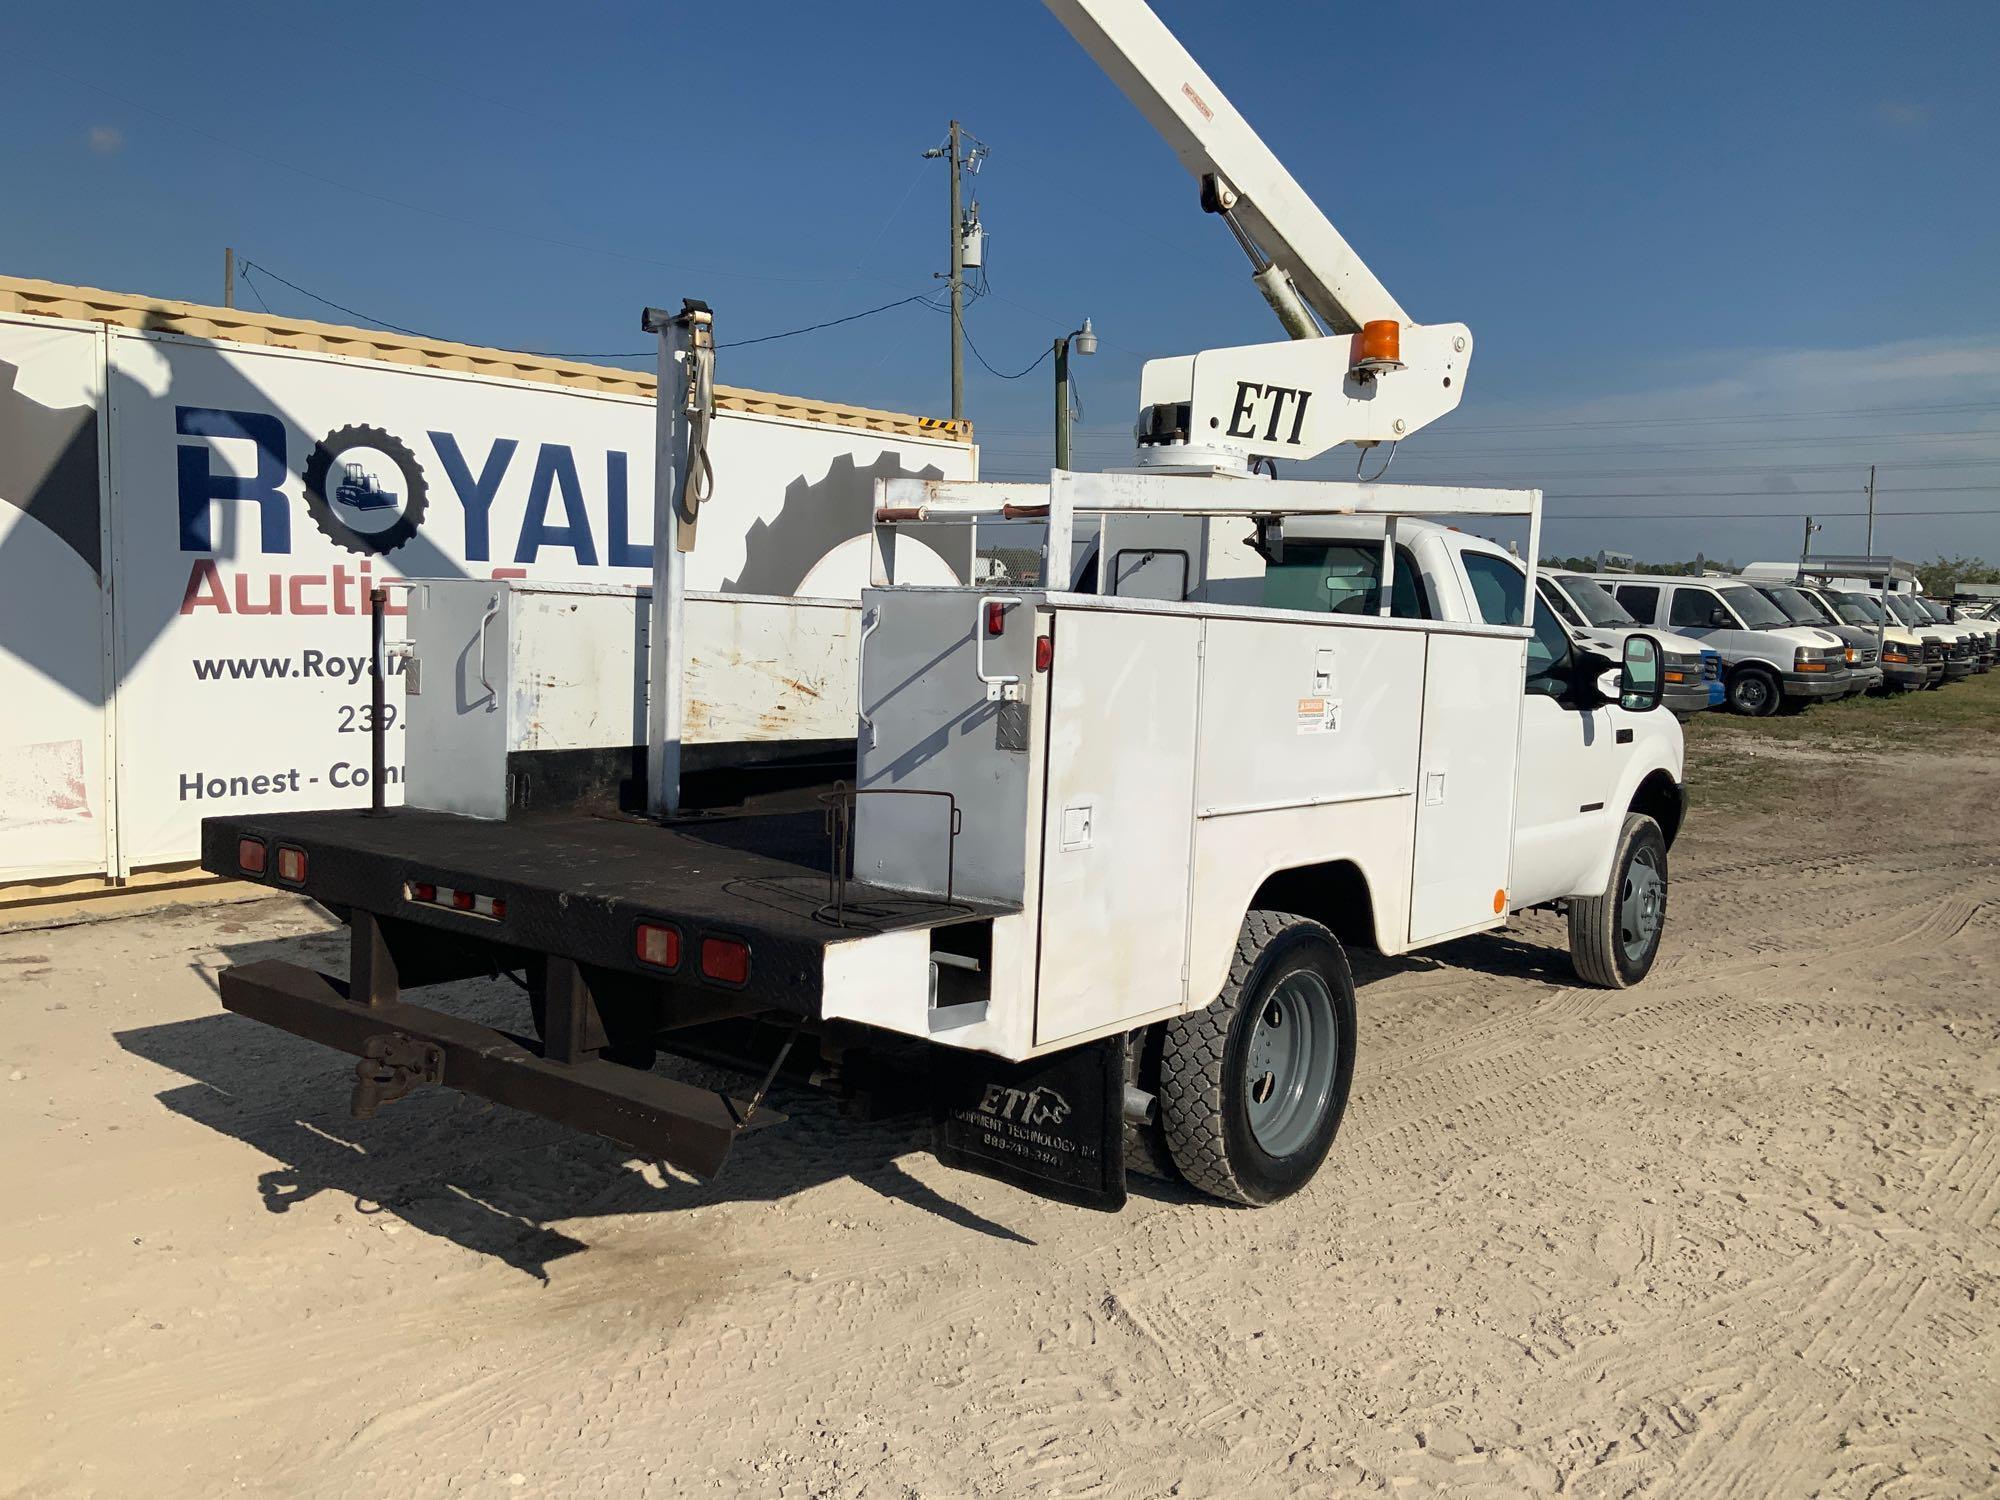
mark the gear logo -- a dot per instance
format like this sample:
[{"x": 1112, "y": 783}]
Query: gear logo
[{"x": 365, "y": 489}]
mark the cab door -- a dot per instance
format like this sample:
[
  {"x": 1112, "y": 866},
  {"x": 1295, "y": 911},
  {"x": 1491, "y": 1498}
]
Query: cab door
[
  {"x": 1569, "y": 757},
  {"x": 1569, "y": 769}
]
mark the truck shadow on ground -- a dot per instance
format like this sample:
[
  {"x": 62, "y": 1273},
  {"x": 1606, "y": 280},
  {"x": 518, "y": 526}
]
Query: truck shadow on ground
[{"x": 491, "y": 1179}]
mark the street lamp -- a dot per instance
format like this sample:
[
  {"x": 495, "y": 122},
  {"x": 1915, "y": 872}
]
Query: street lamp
[{"x": 1084, "y": 341}]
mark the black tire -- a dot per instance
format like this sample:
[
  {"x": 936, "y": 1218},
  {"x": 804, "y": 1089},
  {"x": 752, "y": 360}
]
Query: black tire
[
  {"x": 1754, "y": 692},
  {"x": 1612, "y": 941},
  {"x": 1205, "y": 1087}
]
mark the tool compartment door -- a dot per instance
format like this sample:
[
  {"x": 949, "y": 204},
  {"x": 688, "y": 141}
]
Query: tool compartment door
[
  {"x": 1465, "y": 784},
  {"x": 1118, "y": 834}
]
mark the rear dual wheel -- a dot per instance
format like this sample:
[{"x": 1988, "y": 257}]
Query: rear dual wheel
[{"x": 1253, "y": 1086}]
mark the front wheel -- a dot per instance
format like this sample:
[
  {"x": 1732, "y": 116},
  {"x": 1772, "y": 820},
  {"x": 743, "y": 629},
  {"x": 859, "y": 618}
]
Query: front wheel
[
  {"x": 1614, "y": 937},
  {"x": 1753, "y": 692},
  {"x": 1252, "y": 1087}
]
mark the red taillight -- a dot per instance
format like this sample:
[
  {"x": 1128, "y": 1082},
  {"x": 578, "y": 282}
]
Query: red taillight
[
  {"x": 423, "y": 890},
  {"x": 1045, "y": 652},
  {"x": 499, "y": 908},
  {"x": 725, "y": 960},
  {"x": 291, "y": 865},
  {"x": 462, "y": 900},
  {"x": 996, "y": 618},
  {"x": 250, "y": 856},
  {"x": 657, "y": 945}
]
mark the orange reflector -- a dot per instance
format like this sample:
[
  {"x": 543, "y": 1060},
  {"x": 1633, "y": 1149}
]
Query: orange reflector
[
  {"x": 250, "y": 856},
  {"x": 657, "y": 945},
  {"x": 1499, "y": 903},
  {"x": 1382, "y": 339},
  {"x": 725, "y": 960},
  {"x": 291, "y": 865}
]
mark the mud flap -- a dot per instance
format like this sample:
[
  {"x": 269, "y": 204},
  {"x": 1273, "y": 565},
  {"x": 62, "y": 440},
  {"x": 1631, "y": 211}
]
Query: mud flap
[{"x": 1053, "y": 1126}]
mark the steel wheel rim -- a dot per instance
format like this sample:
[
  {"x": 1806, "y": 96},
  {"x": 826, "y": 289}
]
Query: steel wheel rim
[
  {"x": 1751, "y": 692},
  {"x": 1288, "y": 1066},
  {"x": 1642, "y": 904}
]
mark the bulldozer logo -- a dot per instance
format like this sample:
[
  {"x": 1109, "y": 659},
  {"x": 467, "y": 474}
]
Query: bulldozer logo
[
  {"x": 1041, "y": 1105},
  {"x": 365, "y": 489}
]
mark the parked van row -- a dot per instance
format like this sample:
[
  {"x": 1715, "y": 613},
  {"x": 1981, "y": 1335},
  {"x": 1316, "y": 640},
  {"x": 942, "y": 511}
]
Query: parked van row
[{"x": 1781, "y": 643}]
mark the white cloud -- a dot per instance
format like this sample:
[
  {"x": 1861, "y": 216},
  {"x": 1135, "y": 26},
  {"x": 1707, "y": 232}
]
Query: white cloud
[{"x": 1901, "y": 114}]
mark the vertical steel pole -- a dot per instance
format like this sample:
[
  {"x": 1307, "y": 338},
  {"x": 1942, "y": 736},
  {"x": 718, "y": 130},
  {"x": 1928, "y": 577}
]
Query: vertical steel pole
[
  {"x": 378, "y": 693},
  {"x": 1870, "y": 548},
  {"x": 957, "y": 288},
  {"x": 228, "y": 277},
  {"x": 1062, "y": 403},
  {"x": 675, "y": 418}
]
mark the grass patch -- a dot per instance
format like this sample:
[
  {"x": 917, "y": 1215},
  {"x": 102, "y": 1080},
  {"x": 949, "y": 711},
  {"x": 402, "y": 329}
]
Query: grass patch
[
  {"x": 1957, "y": 710},
  {"x": 1771, "y": 765}
]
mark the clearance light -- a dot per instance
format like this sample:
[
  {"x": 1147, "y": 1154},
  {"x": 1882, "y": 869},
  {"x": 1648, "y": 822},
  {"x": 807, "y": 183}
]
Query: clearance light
[
  {"x": 1812, "y": 666},
  {"x": 251, "y": 856},
  {"x": 291, "y": 865},
  {"x": 1045, "y": 652},
  {"x": 996, "y": 618},
  {"x": 657, "y": 945},
  {"x": 1673, "y": 676},
  {"x": 471, "y": 903},
  {"x": 725, "y": 960}
]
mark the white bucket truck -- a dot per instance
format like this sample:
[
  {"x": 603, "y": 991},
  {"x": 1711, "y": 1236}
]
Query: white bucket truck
[{"x": 1102, "y": 853}]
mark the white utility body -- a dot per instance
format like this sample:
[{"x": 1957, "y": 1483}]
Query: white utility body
[{"x": 1135, "y": 794}]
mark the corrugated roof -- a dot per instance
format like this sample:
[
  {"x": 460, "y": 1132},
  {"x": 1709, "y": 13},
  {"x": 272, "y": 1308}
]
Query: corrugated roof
[{"x": 50, "y": 299}]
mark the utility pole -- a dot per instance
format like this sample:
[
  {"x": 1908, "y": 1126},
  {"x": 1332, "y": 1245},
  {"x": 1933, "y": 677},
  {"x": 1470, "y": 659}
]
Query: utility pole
[
  {"x": 1870, "y": 548},
  {"x": 952, "y": 150},
  {"x": 957, "y": 290},
  {"x": 228, "y": 277},
  {"x": 1805, "y": 548}
]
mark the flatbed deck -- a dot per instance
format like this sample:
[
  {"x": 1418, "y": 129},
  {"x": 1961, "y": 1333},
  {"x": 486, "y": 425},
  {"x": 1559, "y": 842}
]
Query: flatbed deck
[{"x": 577, "y": 886}]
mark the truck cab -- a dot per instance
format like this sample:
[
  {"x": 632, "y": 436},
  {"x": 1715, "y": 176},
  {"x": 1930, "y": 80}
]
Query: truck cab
[{"x": 1768, "y": 662}]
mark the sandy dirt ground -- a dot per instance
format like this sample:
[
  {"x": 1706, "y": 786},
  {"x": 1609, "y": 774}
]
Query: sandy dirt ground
[{"x": 1731, "y": 1233}]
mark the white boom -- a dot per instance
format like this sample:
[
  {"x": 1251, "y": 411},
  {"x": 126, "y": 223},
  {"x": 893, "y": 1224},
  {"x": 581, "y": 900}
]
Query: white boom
[
  {"x": 1215, "y": 142},
  {"x": 1224, "y": 409}
]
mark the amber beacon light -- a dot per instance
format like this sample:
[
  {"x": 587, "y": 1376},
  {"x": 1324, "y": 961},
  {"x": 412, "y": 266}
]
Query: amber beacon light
[{"x": 1381, "y": 347}]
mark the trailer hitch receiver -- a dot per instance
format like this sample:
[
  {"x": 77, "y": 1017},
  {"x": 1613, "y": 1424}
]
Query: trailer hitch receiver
[{"x": 391, "y": 1065}]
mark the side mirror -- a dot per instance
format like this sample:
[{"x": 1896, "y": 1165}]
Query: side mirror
[
  {"x": 1641, "y": 680},
  {"x": 1717, "y": 620}
]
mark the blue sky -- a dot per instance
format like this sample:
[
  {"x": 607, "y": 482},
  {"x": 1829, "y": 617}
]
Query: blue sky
[{"x": 1733, "y": 252}]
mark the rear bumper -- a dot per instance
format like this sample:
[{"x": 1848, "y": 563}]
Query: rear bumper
[{"x": 402, "y": 1045}]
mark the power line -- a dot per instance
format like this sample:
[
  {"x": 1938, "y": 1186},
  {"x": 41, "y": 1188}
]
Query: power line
[
  {"x": 792, "y": 333},
  {"x": 329, "y": 302},
  {"x": 1002, "y": 373},
  {"x": 1755, "y": 515}
]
